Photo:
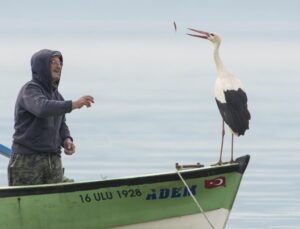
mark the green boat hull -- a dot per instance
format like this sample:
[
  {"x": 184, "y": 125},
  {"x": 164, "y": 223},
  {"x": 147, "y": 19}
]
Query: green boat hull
[{"x": 129, "y": 202}]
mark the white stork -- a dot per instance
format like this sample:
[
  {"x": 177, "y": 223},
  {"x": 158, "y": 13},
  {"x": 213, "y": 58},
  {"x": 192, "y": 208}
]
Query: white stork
[{"x": 229, "y": 94}]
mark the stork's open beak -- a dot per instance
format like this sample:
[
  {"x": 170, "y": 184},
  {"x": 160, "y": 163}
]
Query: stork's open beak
[{"x": 204, "y": 35}]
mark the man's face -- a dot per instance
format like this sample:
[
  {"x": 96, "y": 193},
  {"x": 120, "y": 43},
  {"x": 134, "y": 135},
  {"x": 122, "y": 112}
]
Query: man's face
[{"x": 55, "y": 68}]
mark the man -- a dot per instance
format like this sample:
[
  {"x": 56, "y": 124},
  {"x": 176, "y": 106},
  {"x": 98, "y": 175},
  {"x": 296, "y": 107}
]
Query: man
[{"x": 40, "y": 124}]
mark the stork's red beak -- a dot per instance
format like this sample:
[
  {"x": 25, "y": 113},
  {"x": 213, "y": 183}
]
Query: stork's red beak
[{"x": 204, "y": 35}]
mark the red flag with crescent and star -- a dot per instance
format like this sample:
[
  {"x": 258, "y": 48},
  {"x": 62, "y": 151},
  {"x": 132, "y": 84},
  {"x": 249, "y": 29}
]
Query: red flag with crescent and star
[{"x": 216, "y": 182}]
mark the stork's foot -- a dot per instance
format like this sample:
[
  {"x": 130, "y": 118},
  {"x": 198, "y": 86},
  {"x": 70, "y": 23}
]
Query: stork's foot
[
  {"x": 218, "y": 163},
  {"x": 232, "y": 161}
]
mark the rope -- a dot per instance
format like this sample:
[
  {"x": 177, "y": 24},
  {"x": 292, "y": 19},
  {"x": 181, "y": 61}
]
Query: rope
[{"x": 195, "y": 200}]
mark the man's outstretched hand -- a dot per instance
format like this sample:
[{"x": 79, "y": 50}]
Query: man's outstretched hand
[{"x": 86, "y": 100}]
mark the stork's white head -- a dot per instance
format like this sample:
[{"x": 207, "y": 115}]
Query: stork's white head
[{"x": 212, "y": 37}]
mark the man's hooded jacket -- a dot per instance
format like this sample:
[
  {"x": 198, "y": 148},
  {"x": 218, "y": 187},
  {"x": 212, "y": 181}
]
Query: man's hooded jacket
[{"x": 40, "y": 110}]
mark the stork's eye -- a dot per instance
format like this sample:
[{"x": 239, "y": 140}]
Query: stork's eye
[{"x": 212, "y": 34}]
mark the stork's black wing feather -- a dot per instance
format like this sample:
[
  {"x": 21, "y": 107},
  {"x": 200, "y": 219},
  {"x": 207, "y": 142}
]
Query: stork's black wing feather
[{"x": 235, "y": 111}]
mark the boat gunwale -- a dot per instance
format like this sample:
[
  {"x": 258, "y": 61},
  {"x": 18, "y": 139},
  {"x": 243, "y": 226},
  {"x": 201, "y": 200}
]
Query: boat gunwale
[{"x": 16, "y": 191}]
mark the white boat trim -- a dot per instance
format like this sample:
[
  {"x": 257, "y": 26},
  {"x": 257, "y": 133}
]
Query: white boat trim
[{"x": 217, "y": 217}]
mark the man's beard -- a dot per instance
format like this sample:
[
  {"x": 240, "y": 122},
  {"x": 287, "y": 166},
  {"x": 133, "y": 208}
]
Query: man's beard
[{"x": 55, "y": 84}]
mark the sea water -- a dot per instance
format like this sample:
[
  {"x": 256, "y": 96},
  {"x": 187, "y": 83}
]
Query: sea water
[{"x": 154, "y": 106}]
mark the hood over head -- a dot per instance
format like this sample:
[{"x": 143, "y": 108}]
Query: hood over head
[{"x": 40, "y": 67}]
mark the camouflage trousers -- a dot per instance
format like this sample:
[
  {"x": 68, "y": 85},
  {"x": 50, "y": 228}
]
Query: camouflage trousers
[{"x": 31, "y": 169}]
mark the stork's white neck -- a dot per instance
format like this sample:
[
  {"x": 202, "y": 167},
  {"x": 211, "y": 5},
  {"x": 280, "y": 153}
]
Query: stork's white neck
[{"x": 219, "y": 64}]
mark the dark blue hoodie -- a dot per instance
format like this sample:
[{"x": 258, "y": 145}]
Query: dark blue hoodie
[{"x": 40, "y": 110}]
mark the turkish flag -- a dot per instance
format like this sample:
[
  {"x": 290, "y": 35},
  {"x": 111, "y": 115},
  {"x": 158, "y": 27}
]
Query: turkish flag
[{"x": 216, "y": 182}]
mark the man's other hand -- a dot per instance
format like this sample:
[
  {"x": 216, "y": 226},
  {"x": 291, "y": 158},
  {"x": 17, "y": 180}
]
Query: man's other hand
[{"x": 69, "y": 146}]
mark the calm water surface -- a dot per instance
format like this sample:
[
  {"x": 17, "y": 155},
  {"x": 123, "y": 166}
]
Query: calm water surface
[{"x": 159, "y": 111}]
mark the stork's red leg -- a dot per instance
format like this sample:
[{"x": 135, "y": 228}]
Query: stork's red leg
[
  {"x": 221, "y": 150},
  {"x": 232, "y": 137}
]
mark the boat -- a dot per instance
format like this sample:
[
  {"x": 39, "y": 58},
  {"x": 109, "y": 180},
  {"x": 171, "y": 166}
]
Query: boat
[{"x": 188, "y": 197}]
